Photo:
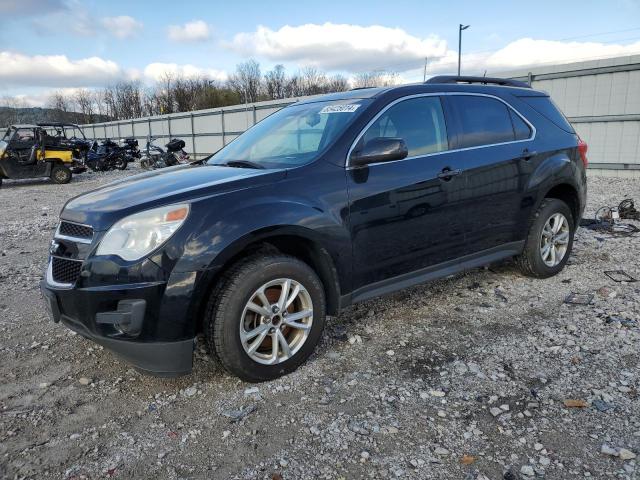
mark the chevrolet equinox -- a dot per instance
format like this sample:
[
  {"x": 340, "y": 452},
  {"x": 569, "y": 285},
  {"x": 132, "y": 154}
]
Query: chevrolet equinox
[{"x": 330, "y": 201}]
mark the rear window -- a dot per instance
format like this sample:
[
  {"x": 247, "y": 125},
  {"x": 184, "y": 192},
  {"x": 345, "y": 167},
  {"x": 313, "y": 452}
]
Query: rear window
[
  {"x": 545, "y": 107},
  {"x": 483, "y": 121},
  {"x": 520, "y": 128}
]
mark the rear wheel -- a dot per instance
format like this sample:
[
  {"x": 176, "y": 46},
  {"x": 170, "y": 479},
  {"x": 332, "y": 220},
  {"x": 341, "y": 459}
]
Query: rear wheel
[
  {"x": 265, "y": 317},
  {"x": 550, "y": 240},
  {"x": 60, "y": 174},
  {"x": 121, "y": 164}
]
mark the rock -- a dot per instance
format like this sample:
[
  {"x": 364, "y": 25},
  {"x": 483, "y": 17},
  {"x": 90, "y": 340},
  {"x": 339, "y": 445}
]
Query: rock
[
  {"x": 538, "y": 446},
  {"x": 437, "y": 393},
  {"x": 391, "y": 353},
  {"x": 441, "y": 451},
  {"x": 608, "y": 450},
  {"x": 364, "y": 456},
  {"x": 74, "y": 436},
  {"x": 225, "y": 434},
  {"x": 602, "y": 406},
  {"x": 84, "y": 381},
  {"x": 495, "y": 411},
  {"x": 527, "y": 470},
  {"x": 625, "y": 454},
  {"x": 191, "y": 391},
  {"x": 315, "y": 430},
  {"x": 251, "y": 391},
  {"x": 237, "y": 415},
  {"x": 544, "y": 461},
  {"x": 43, "y": 385}
]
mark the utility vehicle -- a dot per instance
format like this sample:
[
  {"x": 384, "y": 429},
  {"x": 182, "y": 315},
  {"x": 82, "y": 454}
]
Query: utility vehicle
[{"x": 330, "y": 201}]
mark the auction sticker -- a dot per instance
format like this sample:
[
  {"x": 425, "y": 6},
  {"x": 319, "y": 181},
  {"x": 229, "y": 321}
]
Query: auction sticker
[{"x": 340, "y": 108}]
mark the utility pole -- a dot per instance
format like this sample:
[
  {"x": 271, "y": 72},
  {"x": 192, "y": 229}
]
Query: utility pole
[
  {"x": 460, "y": 29},
  {"x": 424, "y": 75}
]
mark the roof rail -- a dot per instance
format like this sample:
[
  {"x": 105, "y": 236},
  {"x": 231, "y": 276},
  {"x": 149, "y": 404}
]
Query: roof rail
[{"x": 483, "y": 80}]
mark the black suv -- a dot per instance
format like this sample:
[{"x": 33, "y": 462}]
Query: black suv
[{"x": 330, "y": 201}]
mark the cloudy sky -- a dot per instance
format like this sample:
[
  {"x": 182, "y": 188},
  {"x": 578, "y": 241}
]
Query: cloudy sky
[{"x": 64, "y": 44}]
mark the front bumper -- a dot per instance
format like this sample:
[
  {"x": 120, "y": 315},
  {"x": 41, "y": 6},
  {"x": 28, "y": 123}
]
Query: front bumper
[{"x": 106, "y": 316}]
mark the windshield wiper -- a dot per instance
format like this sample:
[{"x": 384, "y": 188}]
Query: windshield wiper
[{"x": 240, "y": 164}]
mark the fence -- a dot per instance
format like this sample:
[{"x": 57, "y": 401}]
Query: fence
[
  {"x": 601, "y": 99},
  {"x": 204, "y": 131}
]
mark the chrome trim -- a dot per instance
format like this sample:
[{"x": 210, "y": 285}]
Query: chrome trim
[
  {"x": 440, "y": 94},
  {"x": 51, "y": 281},
  {"x": 73, "y": 239}
]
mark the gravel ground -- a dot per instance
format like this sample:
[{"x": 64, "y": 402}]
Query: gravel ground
[{"x": 484, "y": 375}]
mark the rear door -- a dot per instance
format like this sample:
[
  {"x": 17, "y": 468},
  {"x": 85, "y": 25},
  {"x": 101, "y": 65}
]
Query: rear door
[
  {"x": 405, "y": 215},
  {"x": 493, "y": 143}
]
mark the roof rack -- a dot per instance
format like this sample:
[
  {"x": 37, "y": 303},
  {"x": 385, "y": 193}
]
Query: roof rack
[{"x": 483, "y": 80}]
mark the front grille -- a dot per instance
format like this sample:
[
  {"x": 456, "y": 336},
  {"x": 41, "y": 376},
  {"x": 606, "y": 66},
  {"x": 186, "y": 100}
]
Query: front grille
[
  {"x": 75, "y": 230},
  {"x": 64, "y": 270}
]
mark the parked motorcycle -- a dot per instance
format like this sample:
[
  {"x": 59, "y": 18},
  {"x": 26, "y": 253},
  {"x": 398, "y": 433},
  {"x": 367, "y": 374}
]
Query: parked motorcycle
[
  {"x": 155, "y": 156},
  {"x": 107, "y": 155}
]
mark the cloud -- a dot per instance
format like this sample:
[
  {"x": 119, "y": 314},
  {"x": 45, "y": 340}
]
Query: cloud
[
  {"x": 122, "y": 26},
  {"x": 529, "y": 52},
  {"x": 24, "y": 8},
  {"x": 344, "y": 47},
  {"x": 56, "y": 71},
  {"x": 156, "y": 71},
  {"x": 195, "y": 31}
]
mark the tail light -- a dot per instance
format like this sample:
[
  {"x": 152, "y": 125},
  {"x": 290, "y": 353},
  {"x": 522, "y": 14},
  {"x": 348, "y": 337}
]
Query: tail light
[{"x": 582, "y": 149}]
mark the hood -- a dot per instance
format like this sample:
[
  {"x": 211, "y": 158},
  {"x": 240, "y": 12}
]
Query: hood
[{"x": 102, "y": 207}]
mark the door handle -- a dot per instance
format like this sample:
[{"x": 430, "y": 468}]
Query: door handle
[{"x": 446, "y": 174}]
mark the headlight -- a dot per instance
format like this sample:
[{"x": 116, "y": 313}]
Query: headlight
[{"x": 137, "y": 235}]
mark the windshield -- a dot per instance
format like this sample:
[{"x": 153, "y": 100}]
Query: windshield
[{"x": 292, "y": 136}]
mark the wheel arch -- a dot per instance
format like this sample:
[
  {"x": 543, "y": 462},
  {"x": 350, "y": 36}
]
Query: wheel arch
[
  {"x": 569, "y": 195},
  {"x": 298, "y": 242}
]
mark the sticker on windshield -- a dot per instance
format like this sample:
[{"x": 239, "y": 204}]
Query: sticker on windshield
[{"x": 340, "y": 108}]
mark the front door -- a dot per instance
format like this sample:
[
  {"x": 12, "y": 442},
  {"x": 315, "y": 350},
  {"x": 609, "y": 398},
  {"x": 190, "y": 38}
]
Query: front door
[{"x": 406, "y": 215}]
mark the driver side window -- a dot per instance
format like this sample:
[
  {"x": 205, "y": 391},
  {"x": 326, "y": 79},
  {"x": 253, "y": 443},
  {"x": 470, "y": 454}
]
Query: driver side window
[{"x": 418, "y": 121}]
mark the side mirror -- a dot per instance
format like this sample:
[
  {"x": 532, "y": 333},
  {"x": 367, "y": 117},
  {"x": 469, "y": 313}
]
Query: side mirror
[{"x": 379, "y": 149}]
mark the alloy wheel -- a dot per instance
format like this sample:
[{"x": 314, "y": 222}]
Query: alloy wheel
[
  {"x": 276, "y": 321},
  {"x": 554, "y": 240}
]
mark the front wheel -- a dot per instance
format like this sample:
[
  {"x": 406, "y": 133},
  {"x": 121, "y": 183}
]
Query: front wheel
[
  {"x": 265, "y": 317},
  {"x": 550, "y": 240},
  {"x": 60, "y": 174}
]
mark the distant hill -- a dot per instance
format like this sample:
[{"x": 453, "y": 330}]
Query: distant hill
[{"x": 10, "y": 116}]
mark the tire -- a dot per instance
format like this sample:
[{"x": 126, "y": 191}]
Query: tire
[
  {"x": 227, "y": 314},
  {"x": 531, "y": 262},
  {"x": 121, "y": 164},
  {"x": 61, "y": 174}
]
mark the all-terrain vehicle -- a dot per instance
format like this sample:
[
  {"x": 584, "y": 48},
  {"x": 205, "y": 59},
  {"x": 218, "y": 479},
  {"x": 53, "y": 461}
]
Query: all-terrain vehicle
[{"x": 43, "y": 150}]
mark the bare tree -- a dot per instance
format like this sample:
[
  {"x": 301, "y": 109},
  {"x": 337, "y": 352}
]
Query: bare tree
[
  {"x": 275, "y": 82},
  {"x": 84, "y": 101},
  {"x": 337, "y": 83},
  {"x": 375, "y": 79},
  {"x": 313, "y": 81},
  {"x": 247, "y": 80}
]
